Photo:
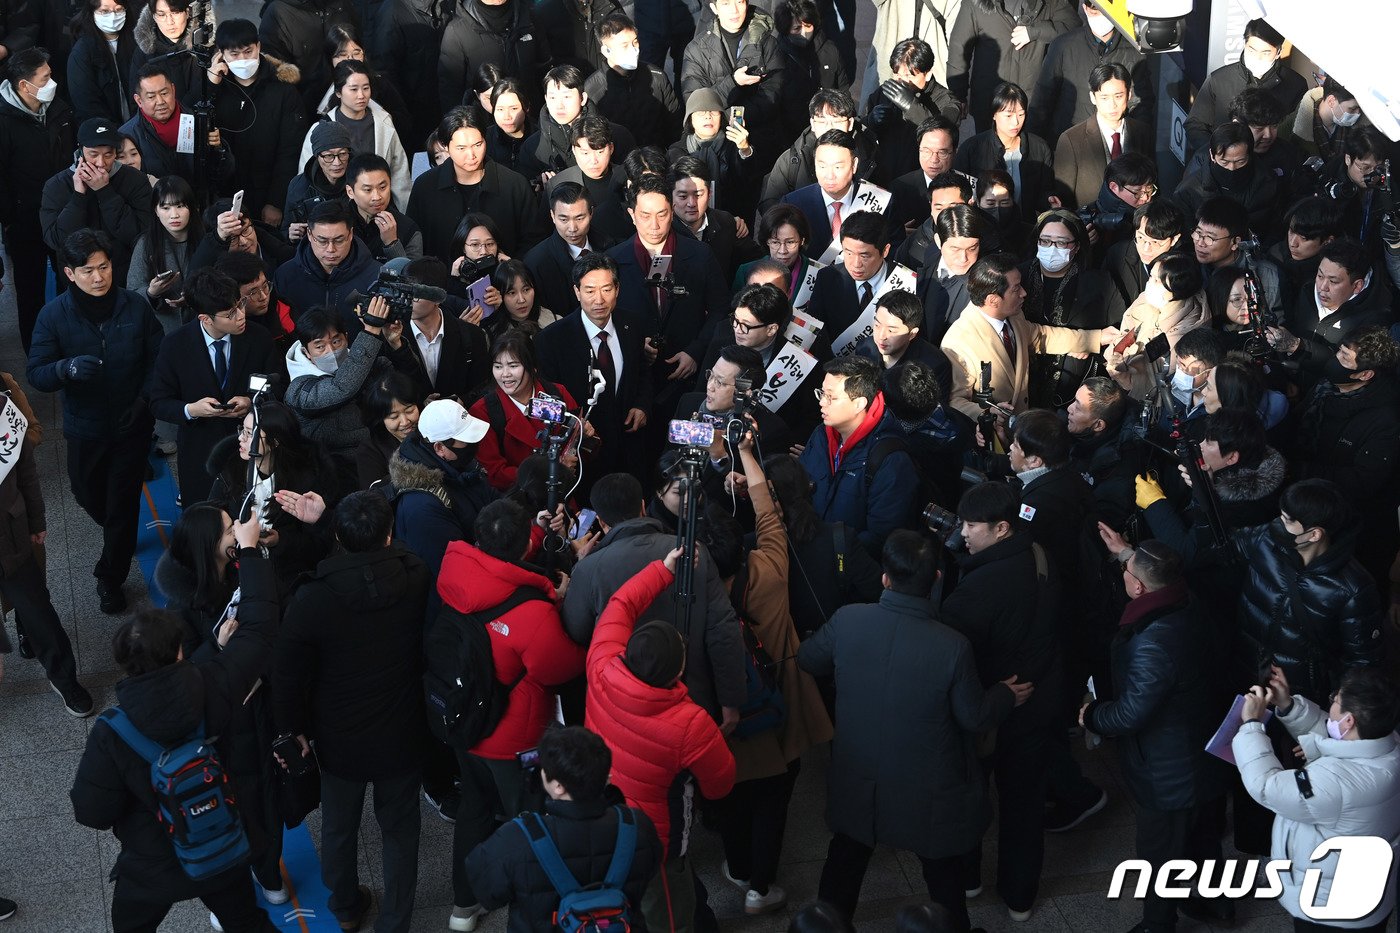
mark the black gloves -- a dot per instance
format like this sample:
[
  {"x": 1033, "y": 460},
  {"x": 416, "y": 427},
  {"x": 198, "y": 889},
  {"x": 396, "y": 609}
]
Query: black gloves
[
  {"x": 80, "y": 368},
  {"x": 898, "y": 93}
]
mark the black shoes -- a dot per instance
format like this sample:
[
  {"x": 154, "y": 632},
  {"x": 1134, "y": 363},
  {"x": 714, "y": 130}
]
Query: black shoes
[
  {"x": 110, "y": 599},
  {"x": 356, "y": 918},
  {"x": 7, "y": 908},
  {"x": 76, "y": 700},
  {"x": 1061, "y": 818},
  {"x": 26, "y": 651},
  {"x": 445, "y": 804}
]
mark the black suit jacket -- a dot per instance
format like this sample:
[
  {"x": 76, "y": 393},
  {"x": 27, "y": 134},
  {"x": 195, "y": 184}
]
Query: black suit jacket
[
  {"x": 721, "y": 235},
  {"x": 810, "y": 202},
  {"x": 184, "y": 373},
  {"x": 463, "y": 367},
  {"x": 565, "y": 353},
  {"x": 552, "y": 265},
  {"x": 801, "y": 412}
]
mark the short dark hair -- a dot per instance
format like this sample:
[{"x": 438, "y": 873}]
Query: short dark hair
[
  {"x": 315, "y": 323},
  {"x": 1007, "y": 94},
  {"x": 910, "y": 561},
  {"x": 643, "y": 161},
  {"x": 429, "y": 270},
  {"x": 1331, "y": 87},
  {"x": 1349, "y": 254},
  {"x": 1131, "y": 168},
  {"x": 209, "y": 291},
  {"x": 990, "y": 504},
  {"x": 1238, "y": 384},
  {"x": 688, "y": 166},
  {"x": 1318, "y": 503},
  {"x": 1314, "y": 218},
  {"x": 594, "y": 129},
  {"x": 363, "y": 521},
  {"x": 148, "y": 642},
  {"x": 569, "y": 76},
  {"x": 1230, "y": 134},
  {"x": 992, "y": 178},
  {"x": 1375, "y": 349},
  {"x": 959, "y": 220},
  {"x": 951, "y": 179},
  {"x": 82, "y": 244},
  {"x": 723, "y": 537},
  {"x": 833, "y": 99},
  {"x": 749, "y": 361},
  {"x": 1255, "y": 106},
  {"x": 1237, "y": 431},
  {"x": 1181, "y": 274},
  {"x": 1257, "y": 28},
  {"x": 904, "y": 305},
  {"x": 569, "y": 192},
  {"x": 347, "y": 70},
  {"x": 1040, "y": 433},
  {"x": 243, "y": 268},
  {"x": 780, "y": 215},
  {"x": 1201, "y": 343},
  {"x": 331, "y": 212},
  {"x": 578, "y": 759},
  {"x": 617, "y": 497},
  {"x": 503, "y": 530},
  {"x": 366, "y": 162},
  {"x": 613, "y": 24},
  {"x": 1106, "y": 72},
  {"x": 839, "y": 138},
  {"x": 25, "y": 62},
  {"x": 1108, "y": 401},
  {"x": 648, "y": 184},
  {"x": 938, "y": 122},
  {"x": 592, "y": 263},
  {"x": 866, "y": 227},
  {"x": 518, "y": 344},
  {"x": 911, "y": 392},
  {"x": 915, "y": 54},
  {"x": 235, "y": 34},
  {"x": 765, "y": 302},
  {"x": 1370, "y": 695},
  {"x": 1156, "y": 565},
  {"x": 508, "y": 85},
  {"x": 862, "y": 376},
  {"x": 1226, "y": 213},
  {"x": 987, "y": 277},
  {"x": 787, "y": 12},
  {"x": 1365, "y": 141},
  {"x": 461, "y": 117},
  {"x": 1164, "y": 219}
]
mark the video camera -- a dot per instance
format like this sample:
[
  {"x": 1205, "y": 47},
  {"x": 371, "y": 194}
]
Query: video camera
[
  {"x": 473, "y": 270},
  {"x": 398, "y": 291},
  {"x": 1344, "y": 189},
  {"x": 945, "y": 525},
  {"x": 1101, "y": 219}
]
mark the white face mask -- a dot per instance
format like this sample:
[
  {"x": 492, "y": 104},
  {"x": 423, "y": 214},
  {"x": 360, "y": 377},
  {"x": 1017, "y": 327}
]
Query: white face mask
[
  {"x": 1346, "y": 118},
  {"x": 328, "y": 363},
  {"x": 1052, "y": 258},
  {"x": 1183, "y": 383},
  {"x": 243, "y": 68},
  {"x": 1156, "y": 294},
  {"x": 1256, "y": 66},
  {"x": 48, "y": 92},
  {"x": 627, "y": 59},
  {"x": 110, "y": 22},
  {"x": 1101, "y": 26}
]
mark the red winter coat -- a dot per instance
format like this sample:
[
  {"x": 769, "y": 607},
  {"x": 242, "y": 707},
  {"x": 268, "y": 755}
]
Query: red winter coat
[
  {"x": 660, "y": 739},
  {"x": 529, "y": 639},
  {"x": 520, "y": 436}
]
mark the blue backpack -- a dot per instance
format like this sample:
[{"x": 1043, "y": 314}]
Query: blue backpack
[
  {"x": 194, "y": 801},
  {"x": 597, "y": 907}
]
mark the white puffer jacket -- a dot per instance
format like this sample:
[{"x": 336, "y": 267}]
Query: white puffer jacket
[{"x": 1356, "y": 792}]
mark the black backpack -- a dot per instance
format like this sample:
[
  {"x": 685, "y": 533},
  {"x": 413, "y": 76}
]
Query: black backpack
[
  {"x": 926, "y": 490},
  {"x": 465, "y": 700}
]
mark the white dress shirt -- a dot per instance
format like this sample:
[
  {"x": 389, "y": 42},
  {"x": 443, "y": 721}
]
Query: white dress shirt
[
  {"x": 431, "y": 349},
  {"x": 209, "y": 352},
  {"x": 592, "y": 330},
  {"x": 1107, "y": 132}
]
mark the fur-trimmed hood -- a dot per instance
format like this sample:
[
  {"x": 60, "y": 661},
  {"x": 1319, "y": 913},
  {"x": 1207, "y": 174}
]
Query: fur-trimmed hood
[
  {"x": 150, "y": 40},
  {"x": 286, "y": 72},
  {"x": 760, "y": 25},
  {"x": 411, "y": 476},
  {"x": 1303, "y": 116},
  {"x": 1245, "y": 484}
]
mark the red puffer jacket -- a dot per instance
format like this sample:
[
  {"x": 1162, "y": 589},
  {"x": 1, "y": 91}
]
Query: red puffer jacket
[
  {"x": 529, "y": 639},
  {"x": 660, "y": 739}
]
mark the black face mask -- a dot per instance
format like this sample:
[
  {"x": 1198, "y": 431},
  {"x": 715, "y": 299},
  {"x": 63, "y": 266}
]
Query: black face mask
[
  {"x": 1337, "y": 374},
  {"x": 1003, "y": 216},
  {"x": 798, "y": 42},
  {"x": 1283, "y": 537},
  {"x": 1231, "y": 178}
]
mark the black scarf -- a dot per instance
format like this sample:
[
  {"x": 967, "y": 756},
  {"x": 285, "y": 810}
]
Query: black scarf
[{"x": 98, "y": 310}]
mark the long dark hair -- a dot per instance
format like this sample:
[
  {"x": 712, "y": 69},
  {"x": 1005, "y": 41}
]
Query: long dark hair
[
  {"x": 292, "y": 452},
  {"x": 468, "y": 223},
  {"x": 792, "y": 487},
  {"x": 503, "y": 278},
  {"x": 1218, "y": 295},
  {"x": 194, "y": 547},
  {"x": 171, "y": 190},
  {"x": 380, "y": 398},
  {"x": 82, "y": 24}
]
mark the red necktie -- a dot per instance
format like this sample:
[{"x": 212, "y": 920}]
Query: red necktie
[
  {"x": 1008, "y": 341},
  {"x": 835, "y": 219},
  {"x": 605, "y": 360},
  {"x": 1116, "y": 150}
]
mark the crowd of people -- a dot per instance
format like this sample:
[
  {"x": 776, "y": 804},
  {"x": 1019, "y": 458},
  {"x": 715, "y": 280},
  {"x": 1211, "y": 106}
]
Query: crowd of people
[{"x": 564, "y": 435}]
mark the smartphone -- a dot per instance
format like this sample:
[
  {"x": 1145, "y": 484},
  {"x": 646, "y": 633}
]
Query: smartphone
[
  {"x": 736, "y": 114},
  {"x": 758, "y": 72},
  {"x": 583, "y": 525},
  {"x": 691, "y": 433},
  {"x": 547, "y": 408},
  {"x": 237, "y": 202},
  {"x": 288, "y": 749},
  {"x": 222, "y": 406},
  {"x": 1125, "y": 341},
  {"x": 170, "y": 273},
  {"x": 529, "y": 759}
]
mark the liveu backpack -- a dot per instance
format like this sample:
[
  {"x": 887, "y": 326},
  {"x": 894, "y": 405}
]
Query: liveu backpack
[
  {"x": 194, "y": 801},
  {"x": 602, "y": 906}
]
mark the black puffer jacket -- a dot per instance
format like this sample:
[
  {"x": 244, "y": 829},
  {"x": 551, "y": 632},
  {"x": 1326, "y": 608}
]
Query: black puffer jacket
[
  {"x": 98, "y": 78},
  {"x": 708, "y": 63},
  {"x": 503, "y": 869},
  {"x": 295, "y": 32},
  {"x": 1315, "y": 622},
  {"x": 1223, "y": 85},
  {"x": 521, "y": 50},
  {"x": 32, "y": 150},
  {"x": 1162, "y": 713},
  {"x": 264, "y": 125},
  {"x": 1352, "y": 439},
  {"x": 898, "y": 131},
  {"x": 184, "y": 71},
  {"x": 1248, "y": 496},
  {"x": 112, "y": 789},
  {"x": 406, "y": 51},
  {"x": 1060, "y": 98},
  {"x": 794, "y": 168},
  {"x": 980, "y": 54}
]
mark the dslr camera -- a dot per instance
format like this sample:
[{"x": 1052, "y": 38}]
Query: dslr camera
[{"x": 473, "y": 270}]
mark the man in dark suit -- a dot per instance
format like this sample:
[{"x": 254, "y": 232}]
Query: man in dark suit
[
  {"x": 1085, "y": 149},
  {"x": 844, "y": 290},
  {"x": 601, "y": 341},
  {"x": 453, "y": 354},
  {"x": 601, "y": 176},
  {"x": 202, "y": 370},
  {"x": 836, "y": 193},
  {"x": 894, "y": 338},
  {"x": 727, "y": 236},
  {"x": 551, "y": 261},
  {"x": 682, "y": 320},
  {"x": 1159, "y": 226},
  {"x": 716, "y": 402}
]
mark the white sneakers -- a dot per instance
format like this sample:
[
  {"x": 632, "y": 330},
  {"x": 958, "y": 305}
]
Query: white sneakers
[
  {"x": 465, "y": 919},
  {"x": 755, "y": 903}
]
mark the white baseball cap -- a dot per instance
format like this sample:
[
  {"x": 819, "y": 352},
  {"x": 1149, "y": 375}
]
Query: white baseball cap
[{"x": 446, "y": 419}]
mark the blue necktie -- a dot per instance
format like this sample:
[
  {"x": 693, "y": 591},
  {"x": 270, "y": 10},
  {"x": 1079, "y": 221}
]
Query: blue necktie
[{"x": 220, "y": 363}]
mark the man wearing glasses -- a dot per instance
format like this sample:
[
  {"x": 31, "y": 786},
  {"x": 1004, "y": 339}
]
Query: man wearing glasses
[
  {"x": 322, "y": 180},
  {"x": 202, "y": 370},
  {"x": 1219, "y": 241},
  {"x": 329, "y": 264}
]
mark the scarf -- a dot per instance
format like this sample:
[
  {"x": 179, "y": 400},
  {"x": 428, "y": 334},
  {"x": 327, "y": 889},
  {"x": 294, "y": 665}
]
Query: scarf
[
  {"x": 98, "y": 310},
  {"x": 169, "y": 131},
  {"x": 1150, "y": 602},
  {"x": 835, "y": 449}
]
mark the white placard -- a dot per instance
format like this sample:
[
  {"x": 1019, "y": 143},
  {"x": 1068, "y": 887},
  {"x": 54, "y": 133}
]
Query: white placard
[
  {"x": 832, "y": 254},
  {"x": 870, "y": 198},
  {"x": 13, "y": 427},
  {"x": 804, "y": 290},
  {"x": 185, "y": 141},
  {"x": 788, "y": 370},
  {"x": 900, "y": 278},
  {"x": 802, "y": 331}
]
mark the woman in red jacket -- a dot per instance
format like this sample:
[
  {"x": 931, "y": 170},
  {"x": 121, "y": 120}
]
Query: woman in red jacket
[{"x": 513, "y": 435}]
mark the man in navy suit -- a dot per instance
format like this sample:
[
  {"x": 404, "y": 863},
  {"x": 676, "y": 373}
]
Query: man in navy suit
[
  {"x": 845, "y": 289},
  {"x": 894, "y": 339},
  {"x": 834, "y": 197},
  {"x": 202, "y": 370},
  {"x": 610, "y": 343},
  {"x": 684, "y": 314},
  {"x": 551, "y": 261}
]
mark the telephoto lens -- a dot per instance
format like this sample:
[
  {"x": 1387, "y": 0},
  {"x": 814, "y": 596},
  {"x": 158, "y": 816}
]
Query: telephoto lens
[{"x": 945, "y": 525}]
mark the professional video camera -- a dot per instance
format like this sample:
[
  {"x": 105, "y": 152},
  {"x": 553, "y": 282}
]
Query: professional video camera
[
  {"x": 1344, "y": 189},
  {"x": 1101, "y": 219},
  {"x": 694, "y": 439},
  {"x": 987, "y": 421},
  {"x": 398, "y": 291}
]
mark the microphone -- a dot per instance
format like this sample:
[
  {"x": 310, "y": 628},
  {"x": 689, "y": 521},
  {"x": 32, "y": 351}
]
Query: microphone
[{"x": 600, "y": 384}]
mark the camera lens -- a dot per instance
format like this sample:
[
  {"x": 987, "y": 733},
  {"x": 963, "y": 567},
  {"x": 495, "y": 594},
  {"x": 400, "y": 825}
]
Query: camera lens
[{"x": 945, "y": 525}]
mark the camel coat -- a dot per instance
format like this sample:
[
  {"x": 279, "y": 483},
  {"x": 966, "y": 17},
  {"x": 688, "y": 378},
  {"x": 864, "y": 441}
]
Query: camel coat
[{"x": 1175, "y": 319}]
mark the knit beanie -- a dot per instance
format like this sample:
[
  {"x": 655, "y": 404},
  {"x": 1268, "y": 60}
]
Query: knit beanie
[
  {"x": 655, "y": 654},
  {"x": 326, "y": 136},
  {"x": 702, "y": 98}
]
